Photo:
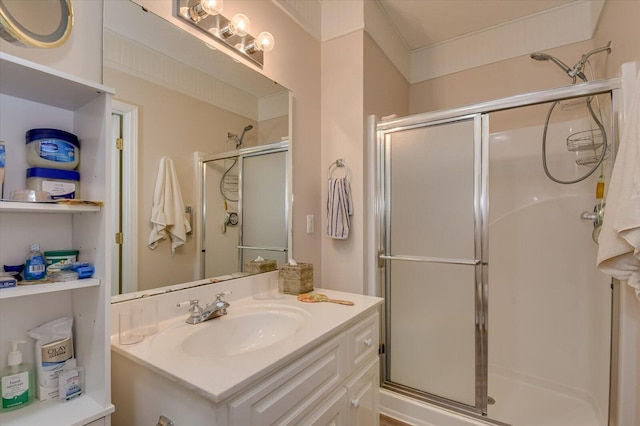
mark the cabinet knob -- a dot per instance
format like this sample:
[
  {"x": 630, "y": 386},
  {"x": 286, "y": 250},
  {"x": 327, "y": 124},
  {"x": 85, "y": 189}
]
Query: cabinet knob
[
  {"x": 368, "y": 342},
  {"x": 355, "y": 403}
]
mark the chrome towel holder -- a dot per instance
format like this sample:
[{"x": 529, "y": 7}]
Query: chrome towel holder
[{"x": 339, "y": 164}]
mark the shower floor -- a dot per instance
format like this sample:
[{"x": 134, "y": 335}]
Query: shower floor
[{"x": 522, "y": 404}]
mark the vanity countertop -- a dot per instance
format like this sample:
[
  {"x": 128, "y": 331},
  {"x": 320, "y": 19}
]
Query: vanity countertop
[{"x": 219, "y": 377}]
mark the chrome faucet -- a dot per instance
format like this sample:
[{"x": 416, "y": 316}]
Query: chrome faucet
[{"x": 197, "y": 314}]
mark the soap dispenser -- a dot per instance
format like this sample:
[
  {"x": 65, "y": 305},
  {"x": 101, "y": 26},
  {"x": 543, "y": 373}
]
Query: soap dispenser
[{"x": 17, "y": 381}]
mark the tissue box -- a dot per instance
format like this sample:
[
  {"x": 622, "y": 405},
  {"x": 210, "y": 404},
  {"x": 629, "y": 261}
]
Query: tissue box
[
  {"x": 296, "y": 279},
  {"x": 259, "y": 266}
]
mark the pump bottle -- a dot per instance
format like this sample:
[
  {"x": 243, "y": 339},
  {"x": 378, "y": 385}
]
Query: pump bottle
[{"x": 17, "y": 381}]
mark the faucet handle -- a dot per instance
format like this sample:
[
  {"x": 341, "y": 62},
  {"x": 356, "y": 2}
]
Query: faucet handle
[
  {"x": 224, "y": 293},
  {"x": 194, "y": 308}
]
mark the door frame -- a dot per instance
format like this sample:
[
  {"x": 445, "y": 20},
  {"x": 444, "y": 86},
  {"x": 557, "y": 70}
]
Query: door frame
[{"x": 129, "y": 208}]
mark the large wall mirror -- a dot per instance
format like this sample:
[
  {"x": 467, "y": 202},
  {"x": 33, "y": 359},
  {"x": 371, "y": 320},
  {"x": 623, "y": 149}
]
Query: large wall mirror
[{"x": 178, "y": 96}]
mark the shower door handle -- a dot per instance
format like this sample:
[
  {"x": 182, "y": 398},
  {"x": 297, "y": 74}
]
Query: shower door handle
[{"x": 431, "y": 259}]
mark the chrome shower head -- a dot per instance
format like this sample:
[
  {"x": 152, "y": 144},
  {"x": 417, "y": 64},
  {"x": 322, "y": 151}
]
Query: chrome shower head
[
  {"x": 245, "y": 130},
  {"x": 539, "y": 56}
]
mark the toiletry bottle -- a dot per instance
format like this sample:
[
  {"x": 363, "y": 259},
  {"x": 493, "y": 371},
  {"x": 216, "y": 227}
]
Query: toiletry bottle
[
  {"x": 34, "y": 267},
  {"x": 18, "y": 381},
  {"x": 71, "y": 380}
]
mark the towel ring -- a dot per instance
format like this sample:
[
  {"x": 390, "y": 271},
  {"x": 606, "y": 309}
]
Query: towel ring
[{"x": 338, "y": 164}]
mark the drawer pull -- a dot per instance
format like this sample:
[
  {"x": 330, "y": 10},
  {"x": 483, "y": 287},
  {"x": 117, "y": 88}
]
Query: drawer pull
[
  {"x": 368, "y": 342},
  {"x": 355, "y": 403}
]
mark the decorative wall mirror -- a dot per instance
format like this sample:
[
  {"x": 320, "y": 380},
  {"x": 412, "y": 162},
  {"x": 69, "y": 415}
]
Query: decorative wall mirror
[
  {"x": 191, "y": 102},
  {"x": 36, "y": 23}
]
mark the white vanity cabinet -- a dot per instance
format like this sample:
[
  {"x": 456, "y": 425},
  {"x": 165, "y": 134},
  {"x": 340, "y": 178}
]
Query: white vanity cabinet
[
  {"x": 339, "y": 371},
  {"x": 331, "y": 381},
  {"x": 34, "y": 96}
]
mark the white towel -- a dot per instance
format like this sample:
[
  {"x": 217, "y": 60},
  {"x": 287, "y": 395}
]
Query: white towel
[
  {"x": 339, "y": 208},
  {"x": 619, "y": 241},
  {"x": 168, "y": 215}
]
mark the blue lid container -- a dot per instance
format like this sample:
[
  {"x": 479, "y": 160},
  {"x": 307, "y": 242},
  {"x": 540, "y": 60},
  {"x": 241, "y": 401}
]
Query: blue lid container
[
  {"x": 37, "y": 134},
  {"x": 52, "y": 148},
  {"x": 41, "y": 172},
  {"x": 58, "y": 183}
]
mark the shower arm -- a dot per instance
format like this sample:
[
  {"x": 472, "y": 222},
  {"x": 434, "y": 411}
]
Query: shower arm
[{"x": 577, "y": 68}]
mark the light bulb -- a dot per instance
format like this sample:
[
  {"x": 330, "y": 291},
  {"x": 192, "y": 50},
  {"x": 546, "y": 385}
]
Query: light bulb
[
  {"x": 240, "y": 25},
  {"x": 265, "y": 42},
  {"x": 204, "y": 8}
]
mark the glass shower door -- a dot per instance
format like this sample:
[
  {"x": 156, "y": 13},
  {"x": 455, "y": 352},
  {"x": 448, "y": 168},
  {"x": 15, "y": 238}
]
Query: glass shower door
[
  {"x": 435, "y": 345},
  {"x": 264, "y": 207}
]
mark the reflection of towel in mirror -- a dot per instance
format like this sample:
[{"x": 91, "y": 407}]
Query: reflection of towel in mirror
[
  {"x": 168, "y": 215},
  {"x": 619, "y": 241},
  {"x": 339, "y": 208}
]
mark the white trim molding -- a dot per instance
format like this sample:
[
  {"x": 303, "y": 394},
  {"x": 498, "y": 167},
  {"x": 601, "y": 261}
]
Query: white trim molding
[{"x": 570, "y": 23}]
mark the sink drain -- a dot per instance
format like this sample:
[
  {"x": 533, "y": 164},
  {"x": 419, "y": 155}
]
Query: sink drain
[{"x": 491, "y": 401}]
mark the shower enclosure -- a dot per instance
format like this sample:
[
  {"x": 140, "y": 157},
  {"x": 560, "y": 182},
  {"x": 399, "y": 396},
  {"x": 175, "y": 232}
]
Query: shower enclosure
[
  {"x": 494, "y": 306},
  {"x": 244, "y": 208}
]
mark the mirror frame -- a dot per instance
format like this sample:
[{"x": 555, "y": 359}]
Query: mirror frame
[{"x": 15, "y": 32}]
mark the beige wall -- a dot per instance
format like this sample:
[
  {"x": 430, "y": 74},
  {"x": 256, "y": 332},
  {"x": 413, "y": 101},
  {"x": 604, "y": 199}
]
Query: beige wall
[
  {"x": 342, "y": 137},
  {"x": 386, "y": 91},
  {"x": 618, "y": 23}
]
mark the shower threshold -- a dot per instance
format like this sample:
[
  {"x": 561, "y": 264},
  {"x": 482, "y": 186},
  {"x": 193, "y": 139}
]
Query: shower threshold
[{"x": 524, "y": 404}]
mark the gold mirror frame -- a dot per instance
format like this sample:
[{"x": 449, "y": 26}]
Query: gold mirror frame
[{"x": 16, "y": 33}]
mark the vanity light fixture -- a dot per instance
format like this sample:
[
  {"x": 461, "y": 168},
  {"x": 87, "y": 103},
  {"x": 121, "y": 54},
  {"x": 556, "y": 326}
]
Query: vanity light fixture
[{"x": 234, "y": 33}]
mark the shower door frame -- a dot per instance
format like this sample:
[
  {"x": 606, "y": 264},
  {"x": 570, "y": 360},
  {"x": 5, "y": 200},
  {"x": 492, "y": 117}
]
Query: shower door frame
[{"x": 380, "y": 131}]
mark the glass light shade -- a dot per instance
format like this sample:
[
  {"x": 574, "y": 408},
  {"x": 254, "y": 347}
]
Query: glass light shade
[
  {"x": 211, "y": 7},
  {"x": 240, "y": 25},
  {"x": 265, "y": 42}
]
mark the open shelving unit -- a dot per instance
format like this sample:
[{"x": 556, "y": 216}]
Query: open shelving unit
[{"x": 31, "y": 96}]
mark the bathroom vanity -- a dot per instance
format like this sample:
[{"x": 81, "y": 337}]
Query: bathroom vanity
[{"x": 274, "y": 361}]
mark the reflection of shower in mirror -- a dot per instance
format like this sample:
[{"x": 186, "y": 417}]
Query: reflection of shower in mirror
[
  {"x": 238, "y": 140},
  {"x": 229, "y": 179}
]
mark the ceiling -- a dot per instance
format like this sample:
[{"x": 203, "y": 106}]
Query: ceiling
[{"x": 423, "y": 23}]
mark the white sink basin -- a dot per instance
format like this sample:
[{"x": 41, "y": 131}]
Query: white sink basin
[{"x": 247, "y": 329}]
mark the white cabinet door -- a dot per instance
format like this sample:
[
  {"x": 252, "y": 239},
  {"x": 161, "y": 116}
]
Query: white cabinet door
[
  {"x": 334, "y": 412},
  {"x": 364, "y": 400}
]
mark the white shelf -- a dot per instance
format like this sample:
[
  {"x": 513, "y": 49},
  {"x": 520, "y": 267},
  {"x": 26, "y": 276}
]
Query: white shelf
[
  {"x": 16, "y": 207},
  {"x": 78, "y": 411},
  {"x": 31, "y": 289},
  {"x": 38, "y": 83}
]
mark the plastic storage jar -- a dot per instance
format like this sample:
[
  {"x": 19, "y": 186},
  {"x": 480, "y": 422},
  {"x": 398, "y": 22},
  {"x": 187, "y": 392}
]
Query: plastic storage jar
[
  {"x": 52, "y": 148},
  {"x": 60, "y": 256},
  {"x": 58, "y": 183}
]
